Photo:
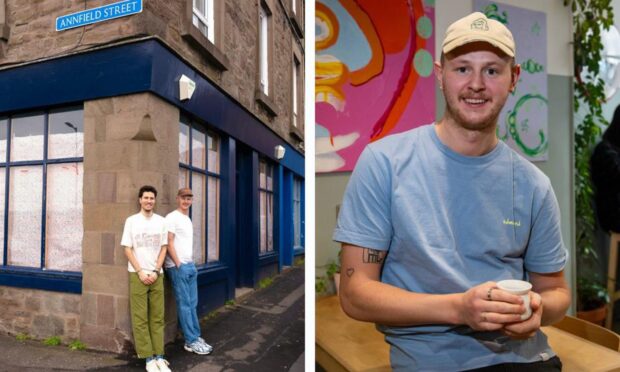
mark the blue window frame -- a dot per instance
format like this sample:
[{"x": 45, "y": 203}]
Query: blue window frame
[
  {"x": 200, "y": 170},
  {"x": 266, "y": 206},
  {"x": 41, "y": 183}
]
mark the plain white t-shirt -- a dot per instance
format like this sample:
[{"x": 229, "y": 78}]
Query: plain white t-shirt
[
  {"x": 146, "y": 235},
  {"x": 181, "y": 226}
]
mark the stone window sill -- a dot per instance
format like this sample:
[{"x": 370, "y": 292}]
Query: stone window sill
[
  {"x": 266, "y": 102},
  {"x": 297, "y": 25},
  {"x": 296, "y": 132},
  {"x": 4, "y": 32},
  {"x": 208, "y": 49}
]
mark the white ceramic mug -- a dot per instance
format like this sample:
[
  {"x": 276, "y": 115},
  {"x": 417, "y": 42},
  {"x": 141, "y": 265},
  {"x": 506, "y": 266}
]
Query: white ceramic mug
[{"x": 519, "y": 288}]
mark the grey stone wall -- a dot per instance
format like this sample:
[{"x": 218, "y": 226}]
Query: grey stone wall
[{"x": 39, "y": 314}]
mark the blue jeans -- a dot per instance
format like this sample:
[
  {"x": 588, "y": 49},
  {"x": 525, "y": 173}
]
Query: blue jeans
[{"x": 186, "y": 295}]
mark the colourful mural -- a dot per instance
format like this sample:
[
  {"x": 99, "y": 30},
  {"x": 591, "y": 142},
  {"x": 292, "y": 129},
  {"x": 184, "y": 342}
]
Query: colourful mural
[
  {"x": 374, "y": 64},
  {"x": 523, "y": 122}
]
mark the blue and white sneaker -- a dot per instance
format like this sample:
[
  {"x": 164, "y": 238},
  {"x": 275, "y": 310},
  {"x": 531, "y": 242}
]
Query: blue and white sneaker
[
  {"x": 200, "y": 339},
  {"x": 197, "y": 347}
]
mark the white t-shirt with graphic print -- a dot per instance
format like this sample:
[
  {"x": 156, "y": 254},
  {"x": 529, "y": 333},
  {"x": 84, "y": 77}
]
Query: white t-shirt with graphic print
[{"x": 146, "y": 235}]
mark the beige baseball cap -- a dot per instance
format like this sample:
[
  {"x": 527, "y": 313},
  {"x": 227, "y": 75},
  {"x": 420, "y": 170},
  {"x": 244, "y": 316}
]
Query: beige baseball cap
[{"x": 477, "y": 27}]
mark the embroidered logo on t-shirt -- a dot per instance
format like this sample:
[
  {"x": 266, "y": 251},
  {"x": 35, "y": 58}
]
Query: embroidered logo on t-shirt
[{"x": 511, "y": 222}]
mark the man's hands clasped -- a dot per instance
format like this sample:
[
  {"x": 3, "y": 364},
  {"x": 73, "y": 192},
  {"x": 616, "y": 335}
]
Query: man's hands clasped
[
  {"x": 487, "y": 308},
  {"x": 147, "y": 277}
]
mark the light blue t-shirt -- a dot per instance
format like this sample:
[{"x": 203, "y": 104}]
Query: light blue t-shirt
[{"x": 450, "y": 222}]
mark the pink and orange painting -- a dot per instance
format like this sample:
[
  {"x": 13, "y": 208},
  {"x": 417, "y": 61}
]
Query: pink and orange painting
[{"x": 374, "y": 74}]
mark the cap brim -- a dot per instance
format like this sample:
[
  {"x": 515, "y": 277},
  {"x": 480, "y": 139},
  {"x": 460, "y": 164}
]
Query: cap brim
[{"x": 468, "y": 39}]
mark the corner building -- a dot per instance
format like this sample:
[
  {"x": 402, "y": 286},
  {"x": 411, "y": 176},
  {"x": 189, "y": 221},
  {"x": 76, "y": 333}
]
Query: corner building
[{"x": 89, "y": 114}]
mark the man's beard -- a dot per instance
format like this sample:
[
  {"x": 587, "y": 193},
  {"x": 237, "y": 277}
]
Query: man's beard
[{"x": 480, "y": 126}]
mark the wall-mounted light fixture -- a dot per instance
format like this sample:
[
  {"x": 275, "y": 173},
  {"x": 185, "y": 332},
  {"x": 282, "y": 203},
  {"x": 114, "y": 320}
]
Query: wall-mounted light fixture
[
  {"x": 186, "y": 88},
  {"x": 279, "y": 152}
]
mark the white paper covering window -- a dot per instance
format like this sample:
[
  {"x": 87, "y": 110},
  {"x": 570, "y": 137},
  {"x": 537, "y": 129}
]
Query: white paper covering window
[
  {"x": 198, "y": 216},
  {"x": 183, "y": 178},
  {"x": 27, "y": 137},
  {"x": 2, "y": 189},
  {"x": 3, "y": 139},
  {"x": 66, "y": 134},
  {"x": 265, "y": 206},
  {"x": 25, "y": 200},
  {"x": 62, "y": 243},
  {"x": 270, "y": 222},
  {"x": 263, "y": 221},
  {"x": 184, "y": 143},
  {"x": 213, "y": 222},
  {"x": 198, "y": 150},
  {"x": 64, "y": 228},
  {"x": 213, "y": 145},
  {"x": 206, "y": 188}
]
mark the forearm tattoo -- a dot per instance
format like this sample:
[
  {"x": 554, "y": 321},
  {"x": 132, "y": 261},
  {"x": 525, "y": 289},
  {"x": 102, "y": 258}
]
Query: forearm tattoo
[
  {"x": 372, "y": 256},
  {"x": 350, "y": 272}
]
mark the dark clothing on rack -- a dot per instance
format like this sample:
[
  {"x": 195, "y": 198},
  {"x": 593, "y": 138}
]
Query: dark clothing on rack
[{"x": 605, "y": 171}]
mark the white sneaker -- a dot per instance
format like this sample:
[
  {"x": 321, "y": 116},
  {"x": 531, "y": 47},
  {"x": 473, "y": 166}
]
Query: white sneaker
[
  {"x": 202, "y": 341},
  {"x": 163, "y": 365},
  {"x": 197, "y": 347},
  {"x": 152, "y": 366}
]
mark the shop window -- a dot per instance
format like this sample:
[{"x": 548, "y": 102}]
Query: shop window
[
  {"x": 265, "y": 197},
  {"x": 297, "y": 213},
  {"x": 199, "y": 169},
  {"x": 41, "y": 154}
]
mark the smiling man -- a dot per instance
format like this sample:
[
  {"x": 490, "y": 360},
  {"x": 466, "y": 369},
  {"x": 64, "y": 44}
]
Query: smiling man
[
  {"x": 432, "y": 218},
  {"x": 182, "y": 271},
  {"x": 144, "y": 240}
]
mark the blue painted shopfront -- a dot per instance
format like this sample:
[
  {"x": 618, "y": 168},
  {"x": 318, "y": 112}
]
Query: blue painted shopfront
[{"x": 150, "y": 66}]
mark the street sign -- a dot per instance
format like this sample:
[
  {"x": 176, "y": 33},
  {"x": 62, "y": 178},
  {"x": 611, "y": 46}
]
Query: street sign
[{"x": 99, "y": 14}]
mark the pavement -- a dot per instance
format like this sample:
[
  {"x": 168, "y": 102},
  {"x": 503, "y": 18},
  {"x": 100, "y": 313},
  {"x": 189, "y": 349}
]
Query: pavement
[{"x": 263, "y": 331}]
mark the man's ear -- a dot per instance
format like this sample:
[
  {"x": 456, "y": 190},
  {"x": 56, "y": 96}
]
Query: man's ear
[
  {"x": 516, "y": 72},
  {"x": 438, "y": 69}
]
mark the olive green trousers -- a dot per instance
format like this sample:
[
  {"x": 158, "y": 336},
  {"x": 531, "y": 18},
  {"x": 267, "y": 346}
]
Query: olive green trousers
[{"x": 146, "y": 304}]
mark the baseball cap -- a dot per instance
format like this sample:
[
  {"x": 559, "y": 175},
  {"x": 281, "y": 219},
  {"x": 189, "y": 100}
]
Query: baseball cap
[
  {"x": 185, "y": 191},
  {"x": 477, "y": 27}
]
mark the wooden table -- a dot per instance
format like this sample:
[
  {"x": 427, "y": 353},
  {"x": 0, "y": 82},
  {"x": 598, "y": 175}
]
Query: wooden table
[{"x": 344, "y": 344}]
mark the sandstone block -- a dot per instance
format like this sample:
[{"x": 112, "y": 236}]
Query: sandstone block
[
  {"x": 112, "y": 280},
  {"x": 88, "y": 314},
  {"x": 106, "y": 187},
  {"x": 105, "y": 310},
  {"x": 91, "y": 246},
  {"x": 44, "y": 326},
  {"x": 108, "y": 248}
]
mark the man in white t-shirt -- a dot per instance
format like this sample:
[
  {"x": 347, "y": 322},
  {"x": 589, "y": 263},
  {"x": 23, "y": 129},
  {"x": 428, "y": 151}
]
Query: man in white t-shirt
[
  {"x": 144, "y": 239},
  {"x": 182, "y": 271}
]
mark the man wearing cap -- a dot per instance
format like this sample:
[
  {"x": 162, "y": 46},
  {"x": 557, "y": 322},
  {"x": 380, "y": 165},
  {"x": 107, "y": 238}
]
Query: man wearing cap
[
  {"x": 182, "y": 271},
  {"x": 432, "y": 218}
]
